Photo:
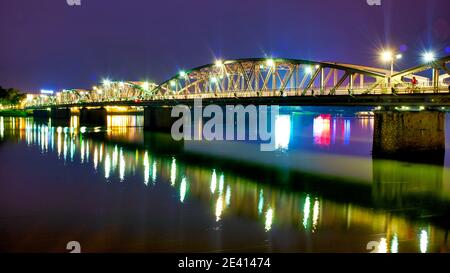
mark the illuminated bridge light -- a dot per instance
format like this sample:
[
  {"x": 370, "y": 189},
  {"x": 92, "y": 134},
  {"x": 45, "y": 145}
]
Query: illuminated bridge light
[
  {"x": 428, "y": 57},
  {"x": 308, "y": 70},
  {"x": 145, "y": 86},
  {"x": 218, "y": 63},
  {"x": 386, "y": 56},
  {"x": 172, "y": 83},
  {"x": 270, "y": 62},
  {"x": 106, "y": 82},
  {"x": 182, "y": 74}
]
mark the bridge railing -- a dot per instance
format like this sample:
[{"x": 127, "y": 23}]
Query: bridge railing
[{"x": 288, "y": 92}]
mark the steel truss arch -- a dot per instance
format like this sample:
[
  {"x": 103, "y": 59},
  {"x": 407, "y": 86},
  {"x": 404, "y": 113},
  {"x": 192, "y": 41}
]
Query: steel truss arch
[{"x": 266, "y": 76}]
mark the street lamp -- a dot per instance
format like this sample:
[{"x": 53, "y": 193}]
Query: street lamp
[
  {"x": 390, "y": 57},
  {"x": 219, "y": 63},
  {"x": 428, "y": 57},
  {"x": 106, "y": 82}
]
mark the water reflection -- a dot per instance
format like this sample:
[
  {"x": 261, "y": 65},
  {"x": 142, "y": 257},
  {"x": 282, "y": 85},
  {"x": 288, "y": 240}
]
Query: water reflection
[
  {"x": 423, "y": 241},
  {"x": 321, "y": 131},
  {"x": 326, "y": 129},
  {"x": 231, "y": 195},
  {"x": 282, "y": 131}
]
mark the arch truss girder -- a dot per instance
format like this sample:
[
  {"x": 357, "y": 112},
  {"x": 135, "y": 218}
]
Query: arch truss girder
[
  {"x": 431, "y": 75},
  {"x": 268, "y": 77}
]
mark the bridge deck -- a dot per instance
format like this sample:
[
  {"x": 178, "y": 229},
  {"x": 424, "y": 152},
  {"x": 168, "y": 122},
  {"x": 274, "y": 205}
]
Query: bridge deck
[{"x": 427, "y": 99}]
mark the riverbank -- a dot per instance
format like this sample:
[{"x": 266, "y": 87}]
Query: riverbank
[{"x": 14, "y": 113}]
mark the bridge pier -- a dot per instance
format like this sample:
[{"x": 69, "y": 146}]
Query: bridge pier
[
  {"x": 413, "y": 136},
  {"x": 158, "y": 119},
  {"x": 41, "y": 114},
  {"x": 93, "y": 117},
  {"x": 60, "y": 113}
]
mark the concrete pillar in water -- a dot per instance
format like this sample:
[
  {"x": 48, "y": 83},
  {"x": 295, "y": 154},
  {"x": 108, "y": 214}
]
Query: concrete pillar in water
[
  {"x": 158, "y": 119},
  {"x": 60, "y": 117},
  {"x": 93, "y": 117},
  {"x": 409, "y": 135},
  {"x": 39, "y": 113},
  {"x": 60, "y": 113}
]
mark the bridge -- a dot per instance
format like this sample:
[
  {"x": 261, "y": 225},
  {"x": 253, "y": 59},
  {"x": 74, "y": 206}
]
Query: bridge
[
  {"x": 267, "y": 80},
  {"x": 399, "y": 129}
]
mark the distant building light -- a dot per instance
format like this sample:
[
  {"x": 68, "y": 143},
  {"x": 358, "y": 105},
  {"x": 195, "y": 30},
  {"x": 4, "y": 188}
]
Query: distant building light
[{"x": 47, "y": 92}]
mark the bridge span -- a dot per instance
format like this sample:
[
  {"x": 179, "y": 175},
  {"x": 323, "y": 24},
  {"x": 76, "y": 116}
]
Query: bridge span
[{"x": 267, "y": 80}]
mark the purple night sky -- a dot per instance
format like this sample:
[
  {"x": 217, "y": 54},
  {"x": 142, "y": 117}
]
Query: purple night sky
[{"x": 49, "y": 44}]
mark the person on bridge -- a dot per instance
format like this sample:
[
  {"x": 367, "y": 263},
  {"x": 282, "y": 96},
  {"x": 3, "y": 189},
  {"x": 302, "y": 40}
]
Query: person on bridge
[{"x": 414, "y": 84}]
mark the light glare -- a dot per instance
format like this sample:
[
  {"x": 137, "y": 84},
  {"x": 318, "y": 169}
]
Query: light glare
[{"x": 429, "y": 57}]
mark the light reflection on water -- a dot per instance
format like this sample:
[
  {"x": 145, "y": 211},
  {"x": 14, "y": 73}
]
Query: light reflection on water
[{"x": 229, "y": 194}]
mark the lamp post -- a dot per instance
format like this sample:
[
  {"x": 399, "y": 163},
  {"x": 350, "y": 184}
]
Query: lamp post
[{"x": 390, "y": 57}]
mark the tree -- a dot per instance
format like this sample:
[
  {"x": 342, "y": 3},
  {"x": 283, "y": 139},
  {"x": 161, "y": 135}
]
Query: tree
[{"x": 10, "y": 96}]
